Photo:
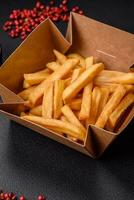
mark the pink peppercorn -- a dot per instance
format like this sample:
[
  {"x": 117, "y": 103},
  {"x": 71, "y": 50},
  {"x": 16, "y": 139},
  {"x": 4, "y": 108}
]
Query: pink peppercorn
[
  {"x": 41, "y": 197},
  {"x": 22, "y": 198}
]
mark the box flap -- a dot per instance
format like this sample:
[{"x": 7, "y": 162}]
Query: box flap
[
  {"x": 8, "y": 96},
  {"x": 32, "y": 54},
  {"x": 112, "y": 46}
]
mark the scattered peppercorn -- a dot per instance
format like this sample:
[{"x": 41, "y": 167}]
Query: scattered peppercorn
[
  {"x": 22, "y": 198},
  {"x": 41, "y": 197},
  {"x": 12, "y": 196},
  {"x": 22, "y": 22}
]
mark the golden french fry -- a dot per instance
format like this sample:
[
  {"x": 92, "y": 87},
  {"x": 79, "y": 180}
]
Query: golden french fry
[
  {"x": 58, "y": 74},
  {"x": 47, "y": 106},
  {"x": 57, "y": 125},
  {"x": 110, "y": 106},
  {"x": 67, "y": 82},
  {"x": 87, "y": 76},
  {"x": 22, "y": 114},
  {"x": 95, "y": 102},
  {"x": 37, "y": 77},
  {"x": 30, "y": 114},
  {"x": 112, "y": 87},
  {"x": 26, "y": 85},
  {"x": 64, "y": 119},
  {"x": 68, "y": 113},
  {"x": 76, "y": 113},
  {"x": 25, "y": 93},
  {"x": 69, "y": 75},
  {"x": 107, "y": 76},
  {"x": 77, "y": 56},
  {"x": 108, "y": 127},
  {"x": 104, "y": 99},
  {"x": 87, "y": 93},
  {"x": 127, "y": 78},
  {"x": 60, "y": 57},
  {"x": 37, "y": 111},
  {"x": 129, "y": 88},
  {"x": 120, "y": 109},
  {"x": 58, "y": 103},
  {"x": 86, "y": 102},
  {"x": 76, "y": 74},
  {"x": 53, "y": 66},
  {"x": 74, "y": 139},
  {"x": 89, "y": 61},
  {"x": 75, "y": 104}
]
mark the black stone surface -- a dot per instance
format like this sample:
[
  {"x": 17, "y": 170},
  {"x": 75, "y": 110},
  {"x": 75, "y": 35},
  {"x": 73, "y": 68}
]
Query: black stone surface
[{"x": 32, "y": 164}]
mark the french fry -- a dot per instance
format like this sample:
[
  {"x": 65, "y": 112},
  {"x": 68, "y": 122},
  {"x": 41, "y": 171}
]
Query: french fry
[
  {"x": 22, "y": 114},
  {"x": 24, "y": 94},
  {"x": 95, "y": 102},
  {"x": 76, "y": 74},
  {"x": 76, "y": 113},
  {"x": 67, "y": 82},
  {"x": 86, "y": 102},
  {"x": 87, "y": 76},
  {"x": 89, "y": 61},
  {"x": 37, "y": 111},
  {"x": 64, "y": 119},
  {"x": 128, "y": 78},
  {"x": 60, "y": 57},
  {"x": 110, "y": 106},
  {"x": 74, "y": 139},
  {"x": 108, "y": 127},
  {"x": 63, "y": 70},
  {"x": 120, "y": 109},
  {"x": 58, "y": 103},
  {"x": 53, "y": 66},
  {"x": 58, "y": 74},
  {"x": 104, "y": 98},
  {"x": 77, "y": 56},
  {"x": 47, "y": 106},
  {"x": 129, "y": 88},
  {"x": 37, "y": 77},
  {"x": 75, "y": 104},
  {"x": 110, "y": 86},
  {"x": 69, "y": 75},
  {"x": 26, "y": 85},
  {"x": 107, "y": 76},
  {"x": 57, "y": 125},
  {"x": 68, "y": 113},
  {"x": 87, "y": 93}
]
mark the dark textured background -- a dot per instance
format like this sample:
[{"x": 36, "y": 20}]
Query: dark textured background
[{"x": 32, "y": 164}]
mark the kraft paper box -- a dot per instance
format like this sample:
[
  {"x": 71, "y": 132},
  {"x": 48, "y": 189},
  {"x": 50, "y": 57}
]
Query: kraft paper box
[{"x": 85, "y": 36}]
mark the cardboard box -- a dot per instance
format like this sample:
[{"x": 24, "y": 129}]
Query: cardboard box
[{"x": 85, "y": 36}]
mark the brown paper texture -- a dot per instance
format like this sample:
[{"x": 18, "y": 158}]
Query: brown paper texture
[{"x": 85, "y": 36}]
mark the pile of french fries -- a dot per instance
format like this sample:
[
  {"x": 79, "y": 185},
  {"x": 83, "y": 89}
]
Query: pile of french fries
[{"x": 72, "y": 92}]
